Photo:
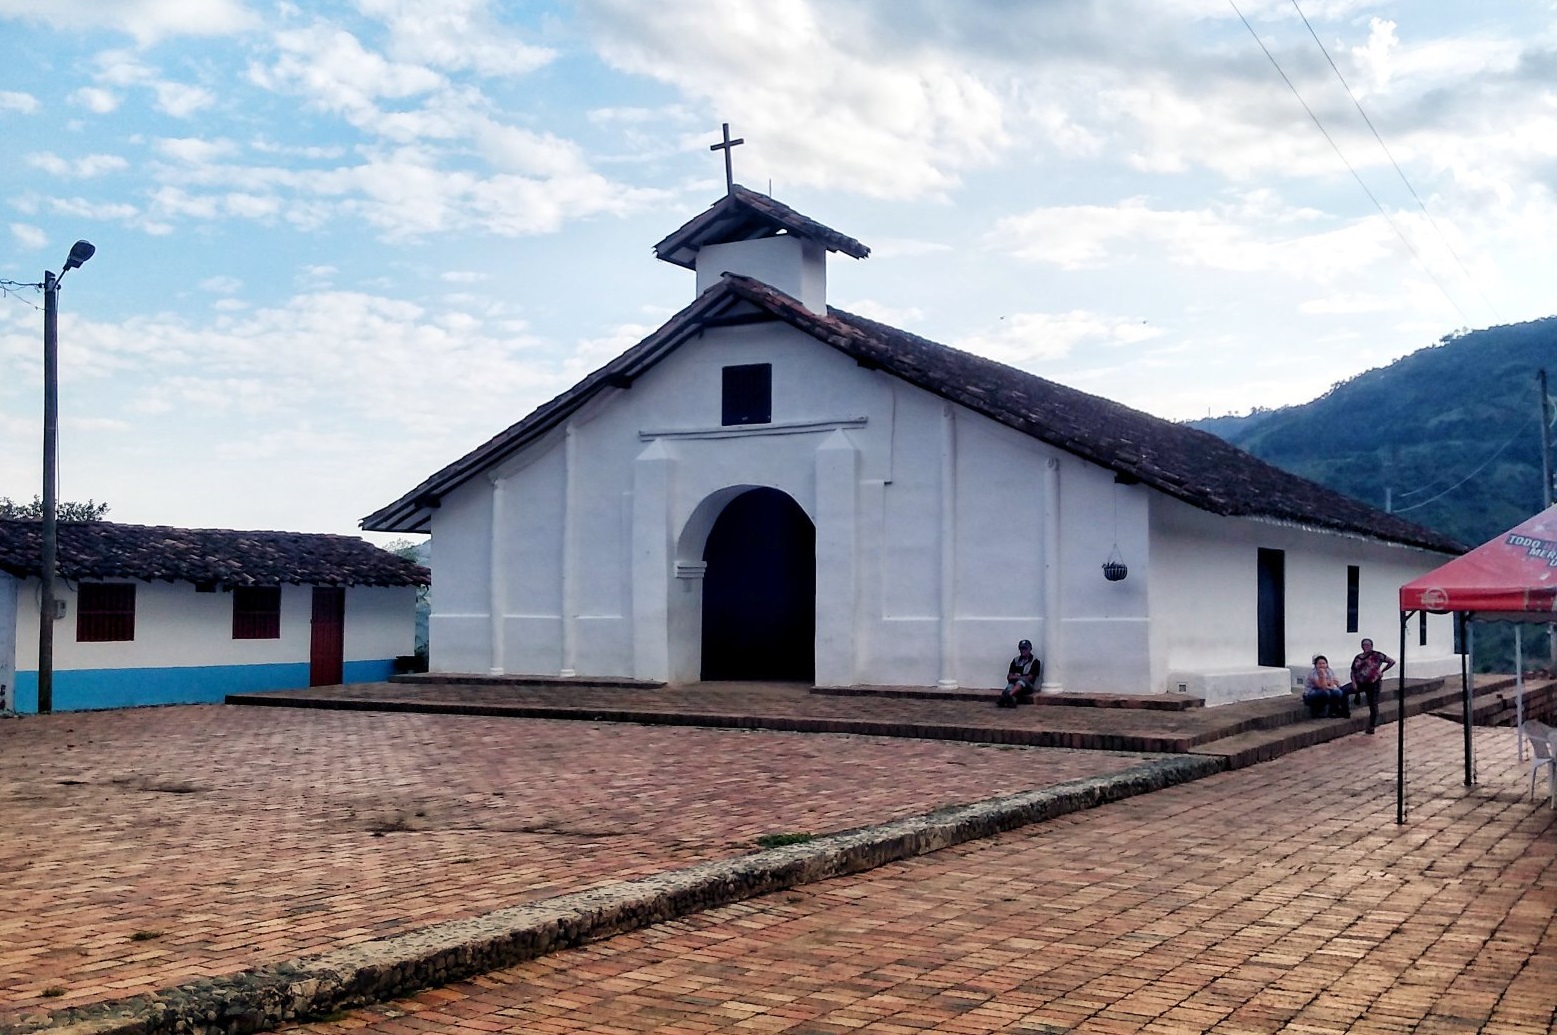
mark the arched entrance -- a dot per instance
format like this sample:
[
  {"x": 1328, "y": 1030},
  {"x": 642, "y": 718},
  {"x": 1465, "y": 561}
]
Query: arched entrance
[{"x": 759, "y": 592}]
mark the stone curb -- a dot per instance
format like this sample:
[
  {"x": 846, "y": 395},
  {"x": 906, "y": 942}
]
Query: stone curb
[{"x": 265, "y": 997}]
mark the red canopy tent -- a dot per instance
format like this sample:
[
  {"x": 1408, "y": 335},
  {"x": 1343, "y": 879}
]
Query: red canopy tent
[{"x": 1512, "y": 577}]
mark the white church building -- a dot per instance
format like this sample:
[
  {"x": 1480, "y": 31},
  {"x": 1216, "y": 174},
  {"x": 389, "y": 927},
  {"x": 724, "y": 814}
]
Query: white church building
[{"x": 769, "y": 488}]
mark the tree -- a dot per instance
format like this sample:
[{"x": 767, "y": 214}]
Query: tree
[{"x": 65, "y": 510}]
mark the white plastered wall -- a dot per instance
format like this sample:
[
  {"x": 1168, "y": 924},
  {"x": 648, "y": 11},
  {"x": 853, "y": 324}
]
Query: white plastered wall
[
  {"x": 1204, "y": 595},
  {"x": 9, "y": 602},
  {"x": 648, "y": 468},
  {"x": 177, "y": 627}
]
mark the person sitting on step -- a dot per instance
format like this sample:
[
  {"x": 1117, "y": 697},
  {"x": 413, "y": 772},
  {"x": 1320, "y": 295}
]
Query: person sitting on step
[
  {"x": 1322, "y": 692},
  {"x": 1021, "y": 677}
]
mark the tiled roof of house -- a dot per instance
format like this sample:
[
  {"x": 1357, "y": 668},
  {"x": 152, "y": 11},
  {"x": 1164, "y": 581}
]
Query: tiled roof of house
[
  {"x": 218, "y": 556},
  {"x": 745, "y": 215},
  {"x": 1179, "y": 461}
]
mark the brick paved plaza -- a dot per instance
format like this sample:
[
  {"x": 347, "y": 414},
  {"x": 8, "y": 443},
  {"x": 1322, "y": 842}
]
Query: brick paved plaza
[
  {"x": 153, "y": 846},
  {"x": 1277, "y": 898}
]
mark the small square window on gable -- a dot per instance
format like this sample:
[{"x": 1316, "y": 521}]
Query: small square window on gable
[
  {"x": 256, "y": 613},
  {"x": 748, "y": 394},
  {"x": 105, "y": 612}
]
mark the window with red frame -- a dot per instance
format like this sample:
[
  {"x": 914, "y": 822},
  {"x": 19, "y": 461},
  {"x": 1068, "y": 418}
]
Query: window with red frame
[
  {"x": 105, "y": 612},
  {"x": 256, "y": 613}
]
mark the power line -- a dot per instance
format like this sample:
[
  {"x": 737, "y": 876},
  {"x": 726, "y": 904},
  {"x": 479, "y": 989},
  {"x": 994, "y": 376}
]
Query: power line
[
  {"x": 1342, "y": 156},
  {"x": 11, "y": 289},
  {"x": 1433, "y": 499},
  {"x": 1398, "y": 170}
]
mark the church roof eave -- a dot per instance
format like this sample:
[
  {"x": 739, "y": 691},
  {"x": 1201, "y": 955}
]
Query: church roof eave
[
  {"x": 1196, "y": 467},
  {"x": 412, "y": 512},
  {"x": 744, "y": 215}
]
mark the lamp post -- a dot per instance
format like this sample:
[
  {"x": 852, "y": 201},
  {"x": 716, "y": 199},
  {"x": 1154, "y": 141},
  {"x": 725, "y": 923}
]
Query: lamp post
[{"x": 80, "y": 252}]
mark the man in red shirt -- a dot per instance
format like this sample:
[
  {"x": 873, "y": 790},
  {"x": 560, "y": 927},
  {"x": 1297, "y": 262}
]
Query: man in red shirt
[{"x": 1368, "y": 670}]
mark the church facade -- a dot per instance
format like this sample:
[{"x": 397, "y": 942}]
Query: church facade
[{"x": 768, "y": 488}]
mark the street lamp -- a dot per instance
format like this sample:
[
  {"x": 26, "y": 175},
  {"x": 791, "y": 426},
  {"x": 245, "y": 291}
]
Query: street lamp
[{"x": 80, "y": 252}]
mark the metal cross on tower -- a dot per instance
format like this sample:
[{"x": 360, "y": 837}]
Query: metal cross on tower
[{"x": 729, "y": 171}]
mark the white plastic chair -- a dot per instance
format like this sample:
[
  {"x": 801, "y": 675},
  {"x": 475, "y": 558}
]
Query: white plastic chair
[{"x": 1543, "y": 755}]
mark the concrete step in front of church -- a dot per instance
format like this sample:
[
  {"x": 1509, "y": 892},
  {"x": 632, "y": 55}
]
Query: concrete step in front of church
[
  {"x": 1436, "y": 697},
  {"x": 484, "y": 679},
  {"x": 1149, "y": 702}
]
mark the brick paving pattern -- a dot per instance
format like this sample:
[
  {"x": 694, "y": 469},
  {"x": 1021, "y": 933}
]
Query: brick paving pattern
[
  {"x": 791, "y": 700},
  {"x": 153, "y": 846},
  {"x": 1278, "y": 898}
]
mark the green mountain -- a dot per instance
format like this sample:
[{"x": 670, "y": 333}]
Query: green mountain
[{"x": 1448, "y": 437}]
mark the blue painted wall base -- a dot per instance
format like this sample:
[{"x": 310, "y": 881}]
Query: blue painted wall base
[{"x": 84, "y": 689}]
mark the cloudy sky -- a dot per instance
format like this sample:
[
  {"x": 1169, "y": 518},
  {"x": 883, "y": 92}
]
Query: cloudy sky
[{"x": 340, "y": 244}]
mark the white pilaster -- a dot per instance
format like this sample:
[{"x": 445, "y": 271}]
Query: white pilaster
[
  {"x": 497, "y": 582},
  {"x": 651, "y": 561},
  {"x": 1053, "y": 648},
  {"x": 570, "y": 518},
  {"x": 837, "y": 532},
  {"x": 948, "y": 623}
]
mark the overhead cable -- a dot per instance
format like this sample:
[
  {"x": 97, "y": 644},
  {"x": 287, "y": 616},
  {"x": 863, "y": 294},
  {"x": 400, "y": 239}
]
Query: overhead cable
[
  {"x": 1398, "y": 170},
  {"x": 1342, "y": 156}
]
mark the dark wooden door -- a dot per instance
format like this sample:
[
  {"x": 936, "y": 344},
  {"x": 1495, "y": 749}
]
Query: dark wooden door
[
  {"x": 1272, "y": 608},
  {"x": 759, "y": 592},
  {"x": 327, "y": 641}
]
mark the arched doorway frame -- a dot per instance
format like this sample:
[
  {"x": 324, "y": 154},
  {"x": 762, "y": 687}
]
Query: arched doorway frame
[{"x": 685, "y": 613}]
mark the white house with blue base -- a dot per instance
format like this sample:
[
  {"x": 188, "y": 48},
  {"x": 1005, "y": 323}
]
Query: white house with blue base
[{"x": 156, "y": 615}]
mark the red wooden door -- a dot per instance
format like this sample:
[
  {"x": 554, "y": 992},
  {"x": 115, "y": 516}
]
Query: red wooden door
[{"x": 328, "y": 639}]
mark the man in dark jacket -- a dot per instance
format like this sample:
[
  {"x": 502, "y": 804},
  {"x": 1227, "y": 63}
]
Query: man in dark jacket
[{"x": 1021, "y": 677}]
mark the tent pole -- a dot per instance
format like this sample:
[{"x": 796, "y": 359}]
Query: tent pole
[
  {"x": 1519, "y": 688},
  {"x": 1400, "y": 726},
  {"x": 1465, "y": 682}
]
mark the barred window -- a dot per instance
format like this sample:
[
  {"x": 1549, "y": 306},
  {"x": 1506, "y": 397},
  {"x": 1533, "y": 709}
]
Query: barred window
[
  {"x": 105, "y": 612},
  {"x": 256, "y": 613}
]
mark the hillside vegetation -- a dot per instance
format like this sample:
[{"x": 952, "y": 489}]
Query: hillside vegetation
[{"x": 1454, "y": 430}]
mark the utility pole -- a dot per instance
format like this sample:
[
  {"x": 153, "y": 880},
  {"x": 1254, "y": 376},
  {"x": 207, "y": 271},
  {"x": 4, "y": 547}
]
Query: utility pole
[
  {"x": 80, "y": 252},
  {"x": 1546, "y": 443},
  {"x": 1546, "y": 493},
  {"x": 50, "y": 504}
]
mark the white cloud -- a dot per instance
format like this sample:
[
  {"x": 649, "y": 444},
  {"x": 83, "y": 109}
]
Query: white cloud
[
  {"x": 28, "y": 236},
  {"x": 455, "y": 35},
  {"x": 146, "y": 20},
  {"x": 196, "y": 150},
  {"x": 894, "y": 316},
  {"x": 337, "y": 73},
  {"x": 592, "y": 353},
  {"x": 1023, "y": 339},
  {"x": 221, "y": 285},
  {"x": 464, "y": 276},
  {"x": 818, "y": 102},
  {"x": 82, "y": 168},
  {"x": 95, "y": 99},
  {"x": 181, "y": 100},
  {"x": 1251, "y": 236},
  {"x": 13, "y": 100}
]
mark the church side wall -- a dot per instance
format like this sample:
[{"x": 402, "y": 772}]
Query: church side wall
[{"x": 1204, "y": 597}]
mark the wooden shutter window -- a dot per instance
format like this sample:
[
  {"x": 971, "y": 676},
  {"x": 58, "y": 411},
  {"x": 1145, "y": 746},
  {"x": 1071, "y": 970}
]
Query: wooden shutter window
[
  {"x": 105, "y": 612},
  {"x": 256, "y": 613},
  {"x": 747, "y": 395}
]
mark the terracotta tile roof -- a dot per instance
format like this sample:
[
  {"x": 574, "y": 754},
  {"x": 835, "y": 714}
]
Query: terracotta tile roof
[
  {"x": 108, "y": 550},
  {"x": 745, "y": 215},
  {"x": 1177, "y": 460}
]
